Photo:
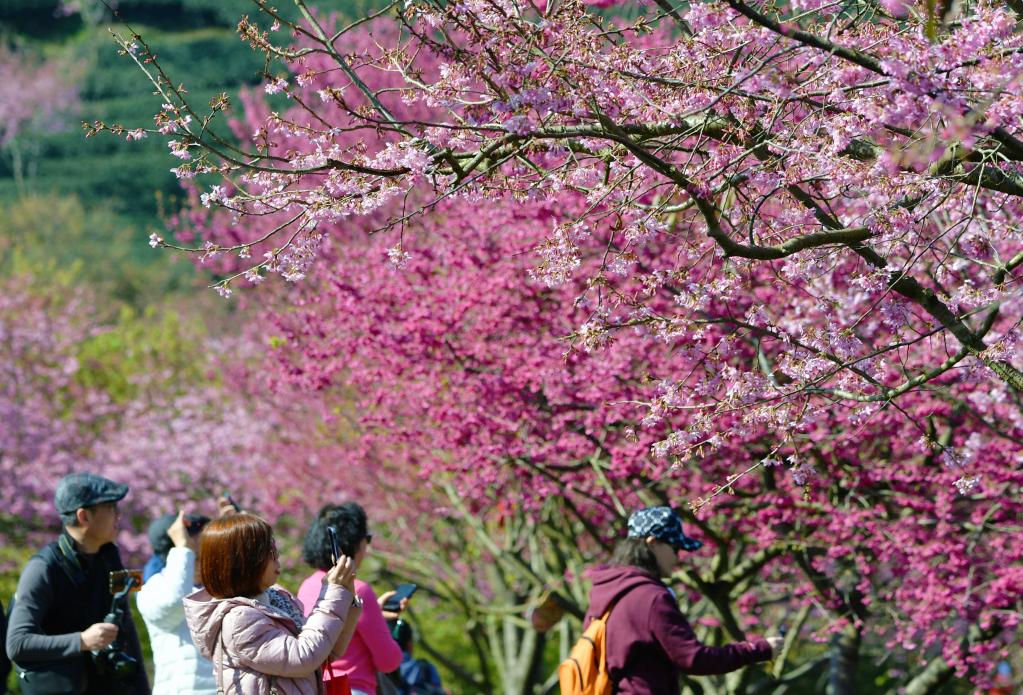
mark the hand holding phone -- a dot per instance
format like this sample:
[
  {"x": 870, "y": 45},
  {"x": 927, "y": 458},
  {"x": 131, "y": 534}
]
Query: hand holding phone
[
  {"x": 343, "y": 574},
  {"x": 335, "y": 545},
  {"x": 230, "y": 501},
  {"x": 393, "y": 602}
]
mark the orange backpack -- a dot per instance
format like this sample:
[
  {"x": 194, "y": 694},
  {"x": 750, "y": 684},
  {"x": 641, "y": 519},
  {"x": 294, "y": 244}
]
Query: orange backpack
[{"x": 584, "y": 672}]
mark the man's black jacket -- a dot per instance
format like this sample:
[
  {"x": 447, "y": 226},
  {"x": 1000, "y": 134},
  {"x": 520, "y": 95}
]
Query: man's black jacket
[{"x": 61, "y": 592}]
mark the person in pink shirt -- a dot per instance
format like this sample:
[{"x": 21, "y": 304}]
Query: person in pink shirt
[{"x": 372, "y": 649}]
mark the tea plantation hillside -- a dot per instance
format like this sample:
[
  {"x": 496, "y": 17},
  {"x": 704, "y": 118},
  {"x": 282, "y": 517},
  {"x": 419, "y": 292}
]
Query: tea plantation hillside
[{"x": 130, "y": 183}]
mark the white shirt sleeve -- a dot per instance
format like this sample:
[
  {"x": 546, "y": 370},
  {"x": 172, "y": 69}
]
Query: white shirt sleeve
[{"x": 159, "y": 600}]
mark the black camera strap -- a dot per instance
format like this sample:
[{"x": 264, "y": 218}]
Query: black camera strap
[{"x": 66, "y": 557}]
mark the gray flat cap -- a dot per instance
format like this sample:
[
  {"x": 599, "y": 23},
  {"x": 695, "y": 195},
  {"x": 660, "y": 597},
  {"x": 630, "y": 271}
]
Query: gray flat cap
[{"x": 84, "y": 490}]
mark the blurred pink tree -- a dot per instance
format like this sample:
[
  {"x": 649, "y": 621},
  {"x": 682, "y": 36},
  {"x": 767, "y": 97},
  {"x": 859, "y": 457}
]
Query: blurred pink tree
[
  {"x": 175, "y": 438},
  {"x": 49, "y": 420},
  {"x": 34, "y": 96}
]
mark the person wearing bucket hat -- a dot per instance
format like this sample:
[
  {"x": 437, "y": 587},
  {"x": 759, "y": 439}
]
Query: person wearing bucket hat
[
  {"x": 664, "y": 525},
  {"x": 649, "y": 641},
  {"x": 59, "y": 637}
]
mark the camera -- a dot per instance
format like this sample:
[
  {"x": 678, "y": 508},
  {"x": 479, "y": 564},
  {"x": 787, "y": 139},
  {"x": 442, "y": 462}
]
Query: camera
[
  {"x": 115, "y": 662},
  {"x": 112, "y": 660},
  {"x": 194, "y": 523}
]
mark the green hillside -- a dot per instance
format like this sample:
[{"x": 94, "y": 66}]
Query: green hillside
[{"x": 129, "y": 183}]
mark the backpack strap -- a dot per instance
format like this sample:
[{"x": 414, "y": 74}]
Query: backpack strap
[
  {"x": 610, "y": 607},
  {"x": 61, "y": 553}
]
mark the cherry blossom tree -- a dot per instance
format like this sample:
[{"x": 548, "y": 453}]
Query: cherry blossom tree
[
  {"x": 758, "y": 258},
  {"x": 861, "y": 156},
  {"x": 34, "y": 96},
  {"x": 463, "y": 379}
]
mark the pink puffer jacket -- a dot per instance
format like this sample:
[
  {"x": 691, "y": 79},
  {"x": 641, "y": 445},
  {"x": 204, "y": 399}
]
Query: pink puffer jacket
[{"x": 254, "y": 647}]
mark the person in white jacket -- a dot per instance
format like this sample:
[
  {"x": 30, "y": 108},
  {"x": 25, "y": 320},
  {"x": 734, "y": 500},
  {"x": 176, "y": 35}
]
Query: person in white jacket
[{"x": 180, "y": 669}]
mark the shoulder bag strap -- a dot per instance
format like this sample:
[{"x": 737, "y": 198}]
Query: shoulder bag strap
[{"x": 220, "y": 662}]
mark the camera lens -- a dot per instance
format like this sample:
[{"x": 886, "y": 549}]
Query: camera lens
[{"x": 196, "y": 522}]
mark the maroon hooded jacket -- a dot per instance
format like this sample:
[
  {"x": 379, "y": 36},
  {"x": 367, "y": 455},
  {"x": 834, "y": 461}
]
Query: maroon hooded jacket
[{"x": 649, "y": 642}]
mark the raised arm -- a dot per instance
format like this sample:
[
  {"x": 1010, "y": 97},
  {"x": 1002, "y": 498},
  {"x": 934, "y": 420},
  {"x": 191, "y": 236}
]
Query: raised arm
[
  {"x": 159, "y": 601},
  {"x": 261, "y": 644},
  {"x": 347, "y": 631},
  {"x": 691, "y": 656}
]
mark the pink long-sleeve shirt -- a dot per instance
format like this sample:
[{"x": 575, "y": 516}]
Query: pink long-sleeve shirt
[{"x": 372, "y": 648}]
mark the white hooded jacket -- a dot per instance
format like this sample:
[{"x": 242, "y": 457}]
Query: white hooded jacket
[{"x": 180, "y": 668}]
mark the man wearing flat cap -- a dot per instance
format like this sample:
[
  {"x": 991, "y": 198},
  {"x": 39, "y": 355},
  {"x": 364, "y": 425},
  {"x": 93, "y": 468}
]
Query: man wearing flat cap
[{"x": 57, "y": 620}]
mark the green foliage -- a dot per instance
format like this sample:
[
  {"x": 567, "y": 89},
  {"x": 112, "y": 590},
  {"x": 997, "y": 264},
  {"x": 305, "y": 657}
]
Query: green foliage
[
  {"x": 41, "y": 19},
  {"x": 133, "y": 178},
  {"x": 47, "y": 236},
  {"x": 196, "y": 45},
  {"x": 36, "y": 19},
  {"x": 437, "y": 626},
  {"x": 201, "y": 59},
  {"x": 156, "y": 347}
]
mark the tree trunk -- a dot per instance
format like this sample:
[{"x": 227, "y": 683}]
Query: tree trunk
[
  {"x": 845, "y": 652},
  {"x": 17, "y": 167},
  {"x": 936, "y": 674}
]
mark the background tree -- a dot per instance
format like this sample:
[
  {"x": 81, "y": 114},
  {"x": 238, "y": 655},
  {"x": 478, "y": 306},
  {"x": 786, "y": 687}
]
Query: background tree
[
  {"x": 859, "y": 168},
  {"x": 773, "y": 235},
  {"x": 34, "y": 96}
]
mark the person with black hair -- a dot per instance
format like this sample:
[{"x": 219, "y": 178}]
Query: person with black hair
[
  {"x": 416, "y": 676},
  {"x": 372, "y": 649},
  {"x": 179, "y": 667},
  {"x": 58, "y": 636}
]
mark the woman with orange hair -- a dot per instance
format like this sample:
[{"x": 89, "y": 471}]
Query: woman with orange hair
[{"x": 255, "y": 632}]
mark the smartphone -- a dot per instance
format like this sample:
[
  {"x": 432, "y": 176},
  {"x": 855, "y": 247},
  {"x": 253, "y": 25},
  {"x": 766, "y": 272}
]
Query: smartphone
[
  {"x": 230, "y": 500},
  {"x": 119, "y": 580},
  {"x": 404, "y": 591},
  {"x": 335, "y": 546}
]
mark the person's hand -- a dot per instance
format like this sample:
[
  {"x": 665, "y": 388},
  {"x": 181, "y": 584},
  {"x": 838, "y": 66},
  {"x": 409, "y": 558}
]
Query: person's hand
[
  {"x": 775, "y": 641},
  {"x": 343, "y": 573},
  {"x": 391, "y": 615},
  {"x": 178, "y": 532},
  {"x": 98, "y": 636},
  {"x": 224, "y": 507}
]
